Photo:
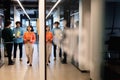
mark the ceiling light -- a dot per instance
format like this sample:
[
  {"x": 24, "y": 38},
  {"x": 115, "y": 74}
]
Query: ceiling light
[
  {"x": 23, "y": 9},
  {"x": 53, "y": 8}
]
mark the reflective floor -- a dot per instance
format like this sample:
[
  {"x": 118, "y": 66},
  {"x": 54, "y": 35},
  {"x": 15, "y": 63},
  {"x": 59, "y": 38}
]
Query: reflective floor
[
  {"x": 58, "y": 71},
  {"x": 55, "y": 71},
  {"x": 20, "y": 70}
]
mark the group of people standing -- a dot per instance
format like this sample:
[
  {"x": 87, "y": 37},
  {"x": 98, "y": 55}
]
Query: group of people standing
[{"x": 17, "y": 37}]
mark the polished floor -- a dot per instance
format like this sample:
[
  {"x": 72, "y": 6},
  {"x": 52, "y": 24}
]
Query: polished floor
[
  {"x": 58, "y": 71},
  {"x": 20, "y": 70},
  {"x": 55, "y": 71}
]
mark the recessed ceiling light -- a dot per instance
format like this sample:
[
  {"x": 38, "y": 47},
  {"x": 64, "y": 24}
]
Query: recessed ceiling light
[{"x": 53, "y": 8}]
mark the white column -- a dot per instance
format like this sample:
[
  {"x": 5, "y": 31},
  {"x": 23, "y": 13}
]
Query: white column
[
  {"x": 80, "y": 32},
  {"x": 84, "y": 37},
  {"x": 97, "y": 25},
  {"x": 16, "y": 15},
  {"x": 42, "y": 39}
]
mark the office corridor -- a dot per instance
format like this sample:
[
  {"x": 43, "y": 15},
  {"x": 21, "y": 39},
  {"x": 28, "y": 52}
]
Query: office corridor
[
  {"x": 55, "y": 71},
  {"x": 20, "y": 70},
  {"x": 58, "y": 71}
]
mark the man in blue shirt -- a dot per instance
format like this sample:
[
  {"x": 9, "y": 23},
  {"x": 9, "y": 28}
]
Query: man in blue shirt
[
  {"x": 56, "y": 40},
  {"x": 18, "y": 41}
]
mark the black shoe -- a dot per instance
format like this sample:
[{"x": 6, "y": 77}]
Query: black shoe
[
  {"x": 47, "y": 64},
  {"x": 20, "y": 59},
  {"x": 30, "y": 64},
  {"x": 11, "y": 63},
  {"x": 49, "y": 61},
  {"x": 27, "y": 62},
  {"x": 6, "y": 55},
  {"x": 54, "y": 58},
  {"x": 64, "y": 62}
]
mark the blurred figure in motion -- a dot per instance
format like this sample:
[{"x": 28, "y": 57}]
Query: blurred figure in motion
[
  {"x": 70, "y": 42},
  {"x": 64, "y": 38},
  {"x": 75, "y": 43},
  {"x": 57, "y": 33},
  {"x": 49, "y": 38},
  {"x": 29, "y": 40},
  {"x": 7, "y": 35},
  {"x": 18, "y": 41}
]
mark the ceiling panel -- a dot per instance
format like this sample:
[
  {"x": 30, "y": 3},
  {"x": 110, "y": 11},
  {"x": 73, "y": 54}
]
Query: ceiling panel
[{"x": 31, "y": 7}]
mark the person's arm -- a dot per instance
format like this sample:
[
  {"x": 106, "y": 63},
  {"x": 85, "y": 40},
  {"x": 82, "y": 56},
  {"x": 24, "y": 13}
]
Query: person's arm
[
  {"x": 11, "y": 34},
  {"x": 20, "y": 33},
  {"x": 14, "y": 32},
  {"x": 24, "y": 37},
  {"x": 33, "y": 38},
  {"x": 52, "y": 31},
  {"x": 21, "y": 30},
  {"x": 51, "y": 37}
]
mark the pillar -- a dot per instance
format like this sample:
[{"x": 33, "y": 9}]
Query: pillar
[
  {"x": 41, "y": 28},
  {"x": 97, "y": 25},
  {"x": 84, "y": 35},
  {"x": 7, "y": 10}
]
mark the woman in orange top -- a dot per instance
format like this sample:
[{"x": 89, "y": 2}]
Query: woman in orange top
[
  {"x": 29, "y": 40},
  {"x": 49, "y": 38}
]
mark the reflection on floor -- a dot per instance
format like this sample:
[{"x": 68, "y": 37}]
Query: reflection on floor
[
  {"x": 20, "y": 70},
  {"x": 58, "y": 71},
  {"x": 55, "y": 71}
]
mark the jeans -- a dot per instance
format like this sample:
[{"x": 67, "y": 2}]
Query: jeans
[
  {"x": 9, "y": 47},
  {"x": 20, "y": 48}
]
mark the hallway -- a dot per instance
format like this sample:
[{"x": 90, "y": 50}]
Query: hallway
[
  {"x": 55, "y": 71},
  {"x": 20, "y": 70},
  {"x": 58, "y": 71}
]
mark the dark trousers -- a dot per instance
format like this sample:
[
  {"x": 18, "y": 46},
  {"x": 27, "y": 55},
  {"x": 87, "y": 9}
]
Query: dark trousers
[
  {"x": 9, "y": 47},
  {"x": 20, "y": 48},
  {"x": 64, "y": 57},
  {"x": 60, "y": 51}
]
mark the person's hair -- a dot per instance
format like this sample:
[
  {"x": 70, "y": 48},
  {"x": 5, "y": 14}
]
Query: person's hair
[
  {"x": 7, "y": 23},
  {"x": 47, "y": 27},
  {"x": 18, "y": 22},
  {"x": 56, "y": 22},
  {"x": 30, "y": 27}
]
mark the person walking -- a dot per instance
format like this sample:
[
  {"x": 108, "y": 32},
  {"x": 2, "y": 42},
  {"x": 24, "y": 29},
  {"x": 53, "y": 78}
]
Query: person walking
[
  {"x": 18, "y": 41},
  {"x": 57, "y": 32},
  {"x": 64, "y": 39},
  {"x": 7, "y": 35},
  {"x": 49, "y": 38},
  {"x": 29, "y": 40}
]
